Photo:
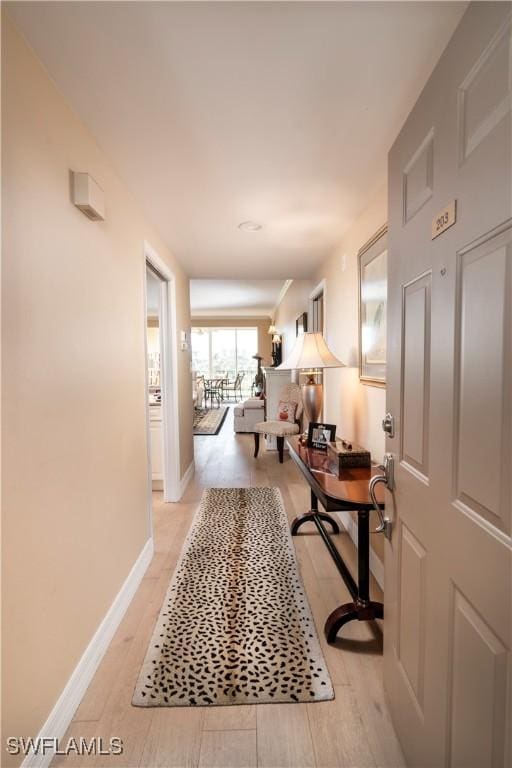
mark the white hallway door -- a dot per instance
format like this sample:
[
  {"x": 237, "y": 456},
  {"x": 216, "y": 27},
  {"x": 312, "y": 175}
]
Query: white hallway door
[{"x": 448, "y": 566}]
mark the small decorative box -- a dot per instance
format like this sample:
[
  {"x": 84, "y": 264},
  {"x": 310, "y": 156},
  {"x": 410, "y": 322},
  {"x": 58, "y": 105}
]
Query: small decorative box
[{"x": 343, "y": 454}]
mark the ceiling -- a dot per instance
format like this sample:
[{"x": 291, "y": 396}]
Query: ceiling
[
  {"x": 215, "y": 113},
  {"x": 240, "y": 298}
]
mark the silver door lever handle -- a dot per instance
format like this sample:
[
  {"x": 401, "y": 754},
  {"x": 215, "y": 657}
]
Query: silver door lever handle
[{"x": 387, "y": 478}]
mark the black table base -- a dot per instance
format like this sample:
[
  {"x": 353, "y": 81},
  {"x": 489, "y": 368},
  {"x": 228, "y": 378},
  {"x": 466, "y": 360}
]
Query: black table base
[
  {"x": 348, "y": 612},
  {"x": 310, "y": 517},
  {"x": 361, "y": 608}
]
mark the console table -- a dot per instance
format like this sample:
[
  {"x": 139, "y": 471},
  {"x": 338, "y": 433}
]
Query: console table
[{"x": 347, "y": 495}]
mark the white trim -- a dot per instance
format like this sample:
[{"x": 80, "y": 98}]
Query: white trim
[
  {"x": 169, "y": 340},
  {"x": 282, "y": 294},
  {"x": 149, "y": 479},
  {"x": 376, "y": 565},
  {"x": 187, "y": 477},
  {"x": 234, "y": 327},
  {"x": 321, "y": 288},
  {"x": 67, "y": 704},
  {"x": 318, "y": 289},
  {"x": 258, "y": 313}
]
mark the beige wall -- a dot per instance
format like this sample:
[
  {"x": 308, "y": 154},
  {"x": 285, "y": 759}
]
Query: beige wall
[
  {"x": 262, "y": 324},
  {"x": 74, "y": 434},
  {"x": 357, "y": 409},
  {"x": 293, "y": 304}
]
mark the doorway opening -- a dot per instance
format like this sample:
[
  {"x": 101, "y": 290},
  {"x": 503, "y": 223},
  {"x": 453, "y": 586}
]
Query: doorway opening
[
  {"x": 154, "y": 356},
  {"x": 161, "y": 384}
]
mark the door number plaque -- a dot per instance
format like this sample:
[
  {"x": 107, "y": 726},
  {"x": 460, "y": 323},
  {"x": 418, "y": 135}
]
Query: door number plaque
[{"x": 444, "y": 219}]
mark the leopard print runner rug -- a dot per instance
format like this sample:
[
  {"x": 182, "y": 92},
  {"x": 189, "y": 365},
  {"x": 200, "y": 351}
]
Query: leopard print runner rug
[{"x": 235, "y": 626}]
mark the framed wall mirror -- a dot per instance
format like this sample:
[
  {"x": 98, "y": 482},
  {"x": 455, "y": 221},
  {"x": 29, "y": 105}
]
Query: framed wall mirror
[{"x": 373, "y": 280}]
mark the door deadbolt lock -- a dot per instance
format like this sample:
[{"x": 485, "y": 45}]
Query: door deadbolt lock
[{"x": 388, "y": 424}]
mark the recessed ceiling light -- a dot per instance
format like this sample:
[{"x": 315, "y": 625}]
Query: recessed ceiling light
[{"x": 250, "y": 226}]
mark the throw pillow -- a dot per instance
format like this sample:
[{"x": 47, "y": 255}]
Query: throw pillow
[{"x": 286, "y": 411}]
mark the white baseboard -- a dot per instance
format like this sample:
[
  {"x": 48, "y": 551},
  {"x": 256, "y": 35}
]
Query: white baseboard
[
  {"x": 173, "y": 498},
  {"x": 67, "y": 704},
  {"x": 376, "y": 565},
  {"x": 187, "y": 477}
]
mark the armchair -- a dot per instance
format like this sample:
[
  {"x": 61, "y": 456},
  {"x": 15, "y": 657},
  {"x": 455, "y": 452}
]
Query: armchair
[{"x": 291, "y": 398}]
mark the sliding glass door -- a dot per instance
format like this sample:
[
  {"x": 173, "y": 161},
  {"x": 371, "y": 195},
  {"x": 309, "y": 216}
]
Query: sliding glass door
[
  {"x": 224, "y": 353},
  {"x": 200, "y": 342}
]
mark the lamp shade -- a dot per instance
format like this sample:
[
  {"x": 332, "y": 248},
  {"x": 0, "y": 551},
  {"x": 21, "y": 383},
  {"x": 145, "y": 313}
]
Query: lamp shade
[{"x": 309, "y": 352}]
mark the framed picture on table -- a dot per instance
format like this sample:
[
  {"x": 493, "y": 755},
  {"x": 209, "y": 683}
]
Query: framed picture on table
[
  {"x": 373, "y": 294},
  {"x": 319, "y": 435}
]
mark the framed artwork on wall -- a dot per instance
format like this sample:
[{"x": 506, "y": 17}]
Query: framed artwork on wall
[
  {"x": 373, "y": 281},
  {"x": 301, "y": 324}
]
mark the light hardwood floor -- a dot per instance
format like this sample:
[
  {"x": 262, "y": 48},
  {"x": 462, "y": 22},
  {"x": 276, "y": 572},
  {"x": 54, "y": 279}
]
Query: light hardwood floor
[{"x": 353, "y": 731}]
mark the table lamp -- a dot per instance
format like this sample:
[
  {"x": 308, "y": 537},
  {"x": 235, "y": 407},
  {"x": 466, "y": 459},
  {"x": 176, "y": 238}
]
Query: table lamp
[{"x": 311, "y": 355}]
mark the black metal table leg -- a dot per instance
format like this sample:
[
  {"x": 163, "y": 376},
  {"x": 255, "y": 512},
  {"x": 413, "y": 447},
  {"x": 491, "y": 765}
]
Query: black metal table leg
[
  {"x": 338, "y": 495},
  {"x": 309, "y": 517},
  {"x": 362, "y": 608}
]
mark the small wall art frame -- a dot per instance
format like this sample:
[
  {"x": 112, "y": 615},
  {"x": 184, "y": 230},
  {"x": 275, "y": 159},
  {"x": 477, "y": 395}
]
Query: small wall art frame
[{"x": 373, "y": 281}]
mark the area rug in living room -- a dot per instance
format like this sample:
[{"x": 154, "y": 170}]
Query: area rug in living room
[
  {"x": 235, "y": 626},
  {"x": 208, "y": 421}
]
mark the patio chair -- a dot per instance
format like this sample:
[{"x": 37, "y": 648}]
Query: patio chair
[
  {"x": 213, "y": 390},
  {"x": 234, "y": 386}
]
